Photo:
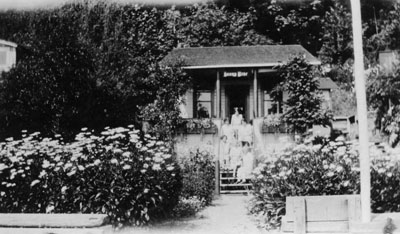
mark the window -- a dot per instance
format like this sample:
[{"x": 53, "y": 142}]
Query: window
[
  {"x": 271, "y": 106},
  {"x": 3, "y": 57},
  {"x": 203, "y": 104}
]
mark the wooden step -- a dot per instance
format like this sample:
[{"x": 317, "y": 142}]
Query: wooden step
[
  {"x": 233, "y": 191},
  {"x": 235, "y": 185}
]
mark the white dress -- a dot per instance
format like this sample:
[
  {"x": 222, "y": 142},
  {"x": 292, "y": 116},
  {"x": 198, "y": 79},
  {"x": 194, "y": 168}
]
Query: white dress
[
  {"x": 225, "y": 159},
  {"x": 235, "y": 153},
  {"x": 227, "y": 131},
  {"x": 244, "y": 172},
  {"x": 236, "y": 120},
  {"x": 247, "y": 134}
]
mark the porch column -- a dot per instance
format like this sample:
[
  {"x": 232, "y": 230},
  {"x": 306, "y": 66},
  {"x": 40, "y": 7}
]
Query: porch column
[
  {"x": 218, "y": 115},
  {"x": 255, "y": 96},
  {"x": 218, "y": 93}
]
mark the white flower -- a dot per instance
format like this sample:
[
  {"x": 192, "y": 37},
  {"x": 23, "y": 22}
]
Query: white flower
[
  {"x": 114, "y": 161},
  {"x": 143, "y": 171},
  {"x": 97, "y": 162},
  {"x": 34, "y": 182},
  {"x": 346, "y": 183},
  {"x": 3, "y": 166},
  {"x": 156, "y": 167},
  {"x": 301, "y": 170},
  {"x": 381, "y": 170},
  {"x": 146, "y": 190},
  {"x": 326, "y": 166},
  {"x": 81, "y": 168},
  {"x": 126, "y": 154},
  {"x": 339, "y": 168},
  {"x": 42, "y": 174},
  {"x": 126, "y": 167},
  {"x": 84, "y": 129},
  {"x": 330, "y": 174},
  {"x": 63, "y": 189},
  {"x": 138, "y": 145},
  {"x": 170, "y": 168},
  {"x": 145, "y": 165}
]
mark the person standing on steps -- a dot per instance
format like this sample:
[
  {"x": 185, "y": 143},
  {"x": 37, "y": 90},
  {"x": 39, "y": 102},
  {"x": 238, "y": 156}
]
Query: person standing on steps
[
  {"x": 225, "y": 146},
  {"x": 226, "y": 130},
  {"x": 235, "y": 156},
  {"x": 236, "y": 121}
]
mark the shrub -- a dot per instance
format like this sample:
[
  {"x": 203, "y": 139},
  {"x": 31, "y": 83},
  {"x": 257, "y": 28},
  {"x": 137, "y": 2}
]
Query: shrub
[
  {"x": 130, "y": 178},
  {"x": 330, "y": 169},
  {"x": 187, "y": 207},
  {"x": 198, "y": 175}
]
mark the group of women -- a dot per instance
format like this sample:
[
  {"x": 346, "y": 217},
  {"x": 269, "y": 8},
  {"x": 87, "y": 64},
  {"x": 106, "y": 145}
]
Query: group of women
[{"x": 237, "y": 146}]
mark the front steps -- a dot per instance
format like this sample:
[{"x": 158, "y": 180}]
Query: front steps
[{"x": 229, "y": 185}]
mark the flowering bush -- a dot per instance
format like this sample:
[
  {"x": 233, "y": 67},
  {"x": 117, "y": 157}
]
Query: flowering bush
[
  {"x": 330, "y": 169},
  {"x": 193, "y": 124},
  {"x": 198, "y": 175},
  {"x": 119, "y": 173},
  {"x": 272, "y": 120}
]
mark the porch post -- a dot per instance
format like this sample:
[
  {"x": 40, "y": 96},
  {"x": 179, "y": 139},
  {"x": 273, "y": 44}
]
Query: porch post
[
  {"x": 218, "y": 115},
  {"x": 218, "y": 93},
  {"x": 255, "y": 91}
]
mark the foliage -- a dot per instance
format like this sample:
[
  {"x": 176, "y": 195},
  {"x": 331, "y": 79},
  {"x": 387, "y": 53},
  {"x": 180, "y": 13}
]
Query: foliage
[
  {"x": 337, "y": 38},
  {"x": 383, "y": 90},
  {"x": 272, "y": 120},
  {"x": 303, "y": 107},
  {"x": 198, "y": 174},
  {"x": 163, "y": 114},
  {"x": 192, "y": 124},
  {"x": 291, "y": 22},
  {"x": 187, "y": 207},
  {"x": 131, "y": 179},
  {"x": 329, "y": 169},
  {"x": 210, "y": 25}
]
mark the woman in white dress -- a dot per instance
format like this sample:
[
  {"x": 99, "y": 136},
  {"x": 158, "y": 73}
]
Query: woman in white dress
[
  {"x": 236, "y": 121},
  {"x": 235, "y": 156},
  {"x": 244, "y": 172},
  {"x": 226, "y": 130}
]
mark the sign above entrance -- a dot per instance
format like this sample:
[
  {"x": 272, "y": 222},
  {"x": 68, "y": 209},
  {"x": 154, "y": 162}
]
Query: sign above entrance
[{"x": 236, "y": 74}]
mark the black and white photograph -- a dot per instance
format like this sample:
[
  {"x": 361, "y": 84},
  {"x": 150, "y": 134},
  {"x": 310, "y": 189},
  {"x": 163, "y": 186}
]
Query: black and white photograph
[{"x": 200, "y": 116}]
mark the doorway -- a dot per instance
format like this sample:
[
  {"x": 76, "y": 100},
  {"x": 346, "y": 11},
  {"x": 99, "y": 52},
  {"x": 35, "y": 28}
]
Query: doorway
[{"x": 237, "y": 96}]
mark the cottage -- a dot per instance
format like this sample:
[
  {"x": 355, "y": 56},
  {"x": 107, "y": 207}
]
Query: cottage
[
  {"x": 238, "y": 76},
  {"x": 8, "y": 55}
]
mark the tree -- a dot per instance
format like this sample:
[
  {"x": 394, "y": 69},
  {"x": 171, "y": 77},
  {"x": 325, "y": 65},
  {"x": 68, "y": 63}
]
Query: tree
[
  {"x": 336, "y": 35},
  {"x": 210, "y": 25},
  {"x": 303, "y": 107}
]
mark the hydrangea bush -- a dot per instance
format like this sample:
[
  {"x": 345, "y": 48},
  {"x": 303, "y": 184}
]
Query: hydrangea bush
[
  {"x": 329, "y": 169},
  {"x": 129, "y": 177}
]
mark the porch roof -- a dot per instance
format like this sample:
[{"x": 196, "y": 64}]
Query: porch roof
[{"x": 238, "y": 56}]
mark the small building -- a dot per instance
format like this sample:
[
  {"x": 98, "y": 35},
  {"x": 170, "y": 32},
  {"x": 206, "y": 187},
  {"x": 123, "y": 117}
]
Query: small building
[
  {"x": 8, "y": 55},
  {"x": 238, "y": 76}
]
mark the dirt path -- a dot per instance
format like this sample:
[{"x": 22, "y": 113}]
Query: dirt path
[{"x": 227, "y": 215}]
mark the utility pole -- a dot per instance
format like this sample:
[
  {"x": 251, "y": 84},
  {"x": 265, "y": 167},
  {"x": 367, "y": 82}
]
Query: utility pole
[{"x": 361, "y": 112}]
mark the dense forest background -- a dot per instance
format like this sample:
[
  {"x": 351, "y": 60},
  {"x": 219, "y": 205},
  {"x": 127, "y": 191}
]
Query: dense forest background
[{"x": 95, "y": 64}]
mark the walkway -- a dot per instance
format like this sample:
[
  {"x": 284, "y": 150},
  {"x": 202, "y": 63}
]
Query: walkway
[{"x": 227, "y": 215}]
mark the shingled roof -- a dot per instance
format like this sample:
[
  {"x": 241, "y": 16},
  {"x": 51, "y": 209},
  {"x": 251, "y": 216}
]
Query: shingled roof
[{"x": 238, "y": 56}]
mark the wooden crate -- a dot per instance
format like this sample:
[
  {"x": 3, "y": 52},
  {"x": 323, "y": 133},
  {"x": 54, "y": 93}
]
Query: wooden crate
[{"x": 326, "y": 214}]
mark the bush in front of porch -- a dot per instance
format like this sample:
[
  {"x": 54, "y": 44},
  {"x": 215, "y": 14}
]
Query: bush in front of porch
[
  {"x": 329, "y": 169},
  {"x": 303, "y": 108}
]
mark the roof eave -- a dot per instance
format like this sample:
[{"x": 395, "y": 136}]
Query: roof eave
[
  {"x": 245, "y": 65},
  {"x": 8, "y": 43}
]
